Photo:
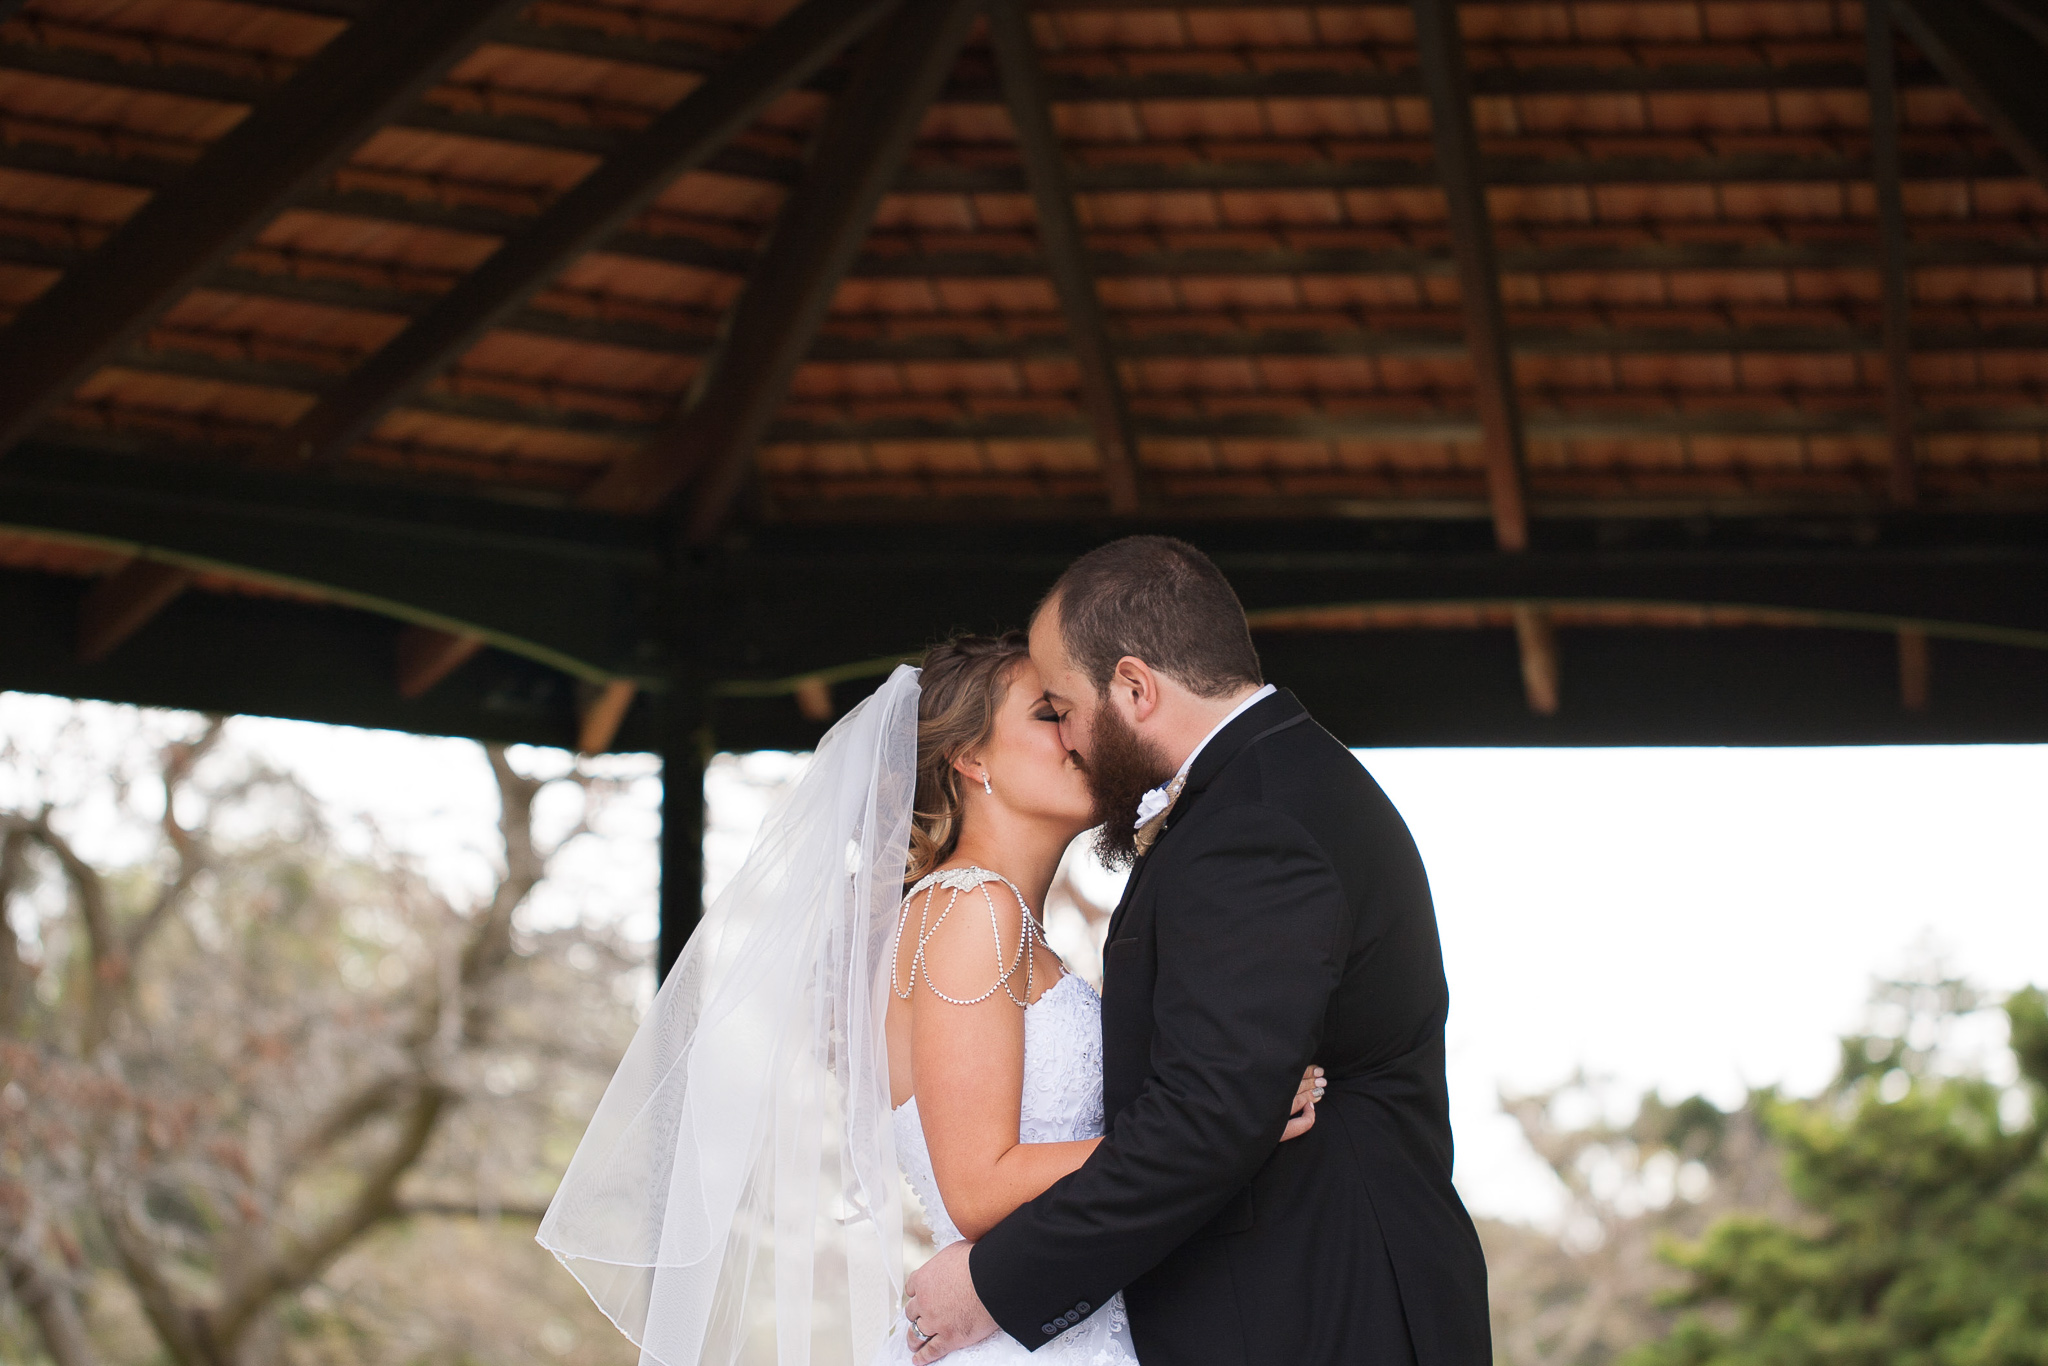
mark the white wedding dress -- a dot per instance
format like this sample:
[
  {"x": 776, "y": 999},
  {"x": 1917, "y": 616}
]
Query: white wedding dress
[
  {"x": 1062, "y": 1102},
  {"x": 736, "y": 1198}
]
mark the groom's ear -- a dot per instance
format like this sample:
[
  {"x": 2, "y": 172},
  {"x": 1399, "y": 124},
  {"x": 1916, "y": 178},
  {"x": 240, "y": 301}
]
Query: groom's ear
[{"x": 1136, "y": 683}]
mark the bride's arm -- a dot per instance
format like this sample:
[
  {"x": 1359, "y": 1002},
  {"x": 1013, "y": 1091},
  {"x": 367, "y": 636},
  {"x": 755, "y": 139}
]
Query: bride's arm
[{"x": 967, "y": 1065}]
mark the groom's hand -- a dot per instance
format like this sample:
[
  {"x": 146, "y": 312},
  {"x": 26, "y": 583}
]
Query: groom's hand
[{"x": 943, "y": 1308}]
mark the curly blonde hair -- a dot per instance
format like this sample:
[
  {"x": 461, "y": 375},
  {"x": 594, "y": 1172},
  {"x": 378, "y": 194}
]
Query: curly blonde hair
[{"x": 961, "y": 689}]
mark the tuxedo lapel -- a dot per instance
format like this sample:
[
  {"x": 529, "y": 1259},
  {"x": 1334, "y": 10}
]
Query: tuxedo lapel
[
  {"x": 1116, "y": 918},
  {"x": 1277, "y": 712}
]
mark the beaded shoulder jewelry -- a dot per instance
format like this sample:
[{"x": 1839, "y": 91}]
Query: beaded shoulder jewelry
[{"x": 958, "y": 881}]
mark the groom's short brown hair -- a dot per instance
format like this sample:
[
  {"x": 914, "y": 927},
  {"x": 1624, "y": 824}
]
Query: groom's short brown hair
[{"x": 1162, "y": 601}]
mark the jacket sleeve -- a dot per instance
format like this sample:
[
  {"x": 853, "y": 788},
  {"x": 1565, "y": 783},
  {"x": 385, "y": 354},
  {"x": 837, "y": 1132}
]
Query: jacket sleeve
[{"x": 1248, "y": 925}]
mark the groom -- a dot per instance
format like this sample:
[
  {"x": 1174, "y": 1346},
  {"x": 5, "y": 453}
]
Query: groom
[{"x": 1277, "y": 914}]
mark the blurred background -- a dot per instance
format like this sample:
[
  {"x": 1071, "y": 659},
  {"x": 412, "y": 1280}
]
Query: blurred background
[
  {"x": 1568, "y": 388},
  {"x": 303, "y": 1022}
]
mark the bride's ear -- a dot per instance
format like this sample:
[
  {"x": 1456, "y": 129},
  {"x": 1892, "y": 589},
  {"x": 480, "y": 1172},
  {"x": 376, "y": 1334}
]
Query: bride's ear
[{"x": 970, "y": 767}]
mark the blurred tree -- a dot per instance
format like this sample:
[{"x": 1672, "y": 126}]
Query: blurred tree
[
  {"x": 229, "y": 1061},
  {"x": 1587, "y": 1291},
  {"x": 1925, "y": 1180}
]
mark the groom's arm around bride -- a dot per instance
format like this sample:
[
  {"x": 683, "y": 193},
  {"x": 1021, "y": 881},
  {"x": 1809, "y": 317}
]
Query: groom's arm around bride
[{"x": 1280, "y": 915}]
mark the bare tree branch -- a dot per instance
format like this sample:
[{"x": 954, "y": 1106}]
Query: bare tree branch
[
  {"x": 181, "y": 1330},
  {"x": 376, "y": 1097},
  {"x": 491, "y": 943},
  {"x": 179, "y": 759},
  {"x": 375, "y": 1201},
  {"x": 108, "y": 955},
  {"x": 49, "y": 1303},
  {"x": 268, "y": 1110},
  {"x": 16, "y": 974}
]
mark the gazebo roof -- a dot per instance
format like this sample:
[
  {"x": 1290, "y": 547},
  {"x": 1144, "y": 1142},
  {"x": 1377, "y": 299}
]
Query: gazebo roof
[{"x": 749, "y": 344}]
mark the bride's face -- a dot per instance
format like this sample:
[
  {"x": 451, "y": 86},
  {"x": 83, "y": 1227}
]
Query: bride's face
[{"x": 1028, "y": 766}]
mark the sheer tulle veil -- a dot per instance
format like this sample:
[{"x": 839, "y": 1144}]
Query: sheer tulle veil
[{"x": 737, "y": 1186}]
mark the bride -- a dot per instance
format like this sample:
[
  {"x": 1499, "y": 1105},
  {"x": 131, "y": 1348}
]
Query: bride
[{"x": 736, "y": 1195}]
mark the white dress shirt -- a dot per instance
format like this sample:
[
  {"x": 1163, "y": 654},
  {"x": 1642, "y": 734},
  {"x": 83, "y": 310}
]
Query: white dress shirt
[{"x": 1159, "y": 798}]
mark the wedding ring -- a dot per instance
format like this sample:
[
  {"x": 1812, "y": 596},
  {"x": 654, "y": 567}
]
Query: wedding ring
[{"x": 922, "y": 1336}]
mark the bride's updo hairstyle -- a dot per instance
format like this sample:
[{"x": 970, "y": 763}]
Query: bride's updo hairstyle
[{"x": 960, "y": 691}]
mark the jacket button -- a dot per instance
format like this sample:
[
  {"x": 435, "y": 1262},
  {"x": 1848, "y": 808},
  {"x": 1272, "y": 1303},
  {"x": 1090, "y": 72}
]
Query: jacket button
[
  {"x": 1051, "y": 1329},
  {"x": 1081, "y": 1308}
]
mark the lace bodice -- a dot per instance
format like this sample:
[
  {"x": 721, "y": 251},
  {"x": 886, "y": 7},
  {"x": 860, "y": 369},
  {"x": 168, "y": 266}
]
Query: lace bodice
[
  {"x": 1062, "y": 1101},
  {"x": 1062, "y": 1091}
]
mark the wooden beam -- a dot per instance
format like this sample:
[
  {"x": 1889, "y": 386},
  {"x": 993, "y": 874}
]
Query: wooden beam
[
  {"x": 677, "y": 141},
  {"x": 1442, "y": 50},
  {"x": 345, "y": 92},
  {"x": 1914, "y": 669},
  {"x": 972, "y": 87},
  {"x": 1881, "y": 51},
  {"x": 819, "y": 231},
  {"x": 686, "y": 741},
  {"x": 1443, "y": 424},
  {"x": 426, "y": 656},
  {"x": 1536, "y": 640},
  {"x": 604, "y": 711},
  {"x": 814, "y": 698},
  {"x": 1276, "y": 167},
  {"x": 123, "y": 603},
  {"x": 1065, "y": 253},
  {"x": 1632, "y": 687},
  {"x": 584, "y": 594},
  {"x": 1995, "y": 62}
]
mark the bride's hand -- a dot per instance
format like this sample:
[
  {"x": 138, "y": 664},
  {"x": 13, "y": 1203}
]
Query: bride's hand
[{"x": 1302, "y": 1117}]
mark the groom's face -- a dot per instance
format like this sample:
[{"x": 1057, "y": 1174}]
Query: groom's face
[
  {"x": 1066, "y": 689},
  {"x": 1119, "y": 764}
]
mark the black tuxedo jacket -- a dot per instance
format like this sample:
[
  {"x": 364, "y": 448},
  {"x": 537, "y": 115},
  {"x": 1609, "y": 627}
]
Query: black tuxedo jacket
[{"x": 1282, "y": 917}]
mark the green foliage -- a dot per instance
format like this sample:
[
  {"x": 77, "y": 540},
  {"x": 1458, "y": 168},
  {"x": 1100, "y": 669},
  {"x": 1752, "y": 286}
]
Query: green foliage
[{"x": 1924, "y": 1238}]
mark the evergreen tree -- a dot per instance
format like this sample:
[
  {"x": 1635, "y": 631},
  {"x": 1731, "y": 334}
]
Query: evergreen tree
[{"x": 1925, "y": 1186}]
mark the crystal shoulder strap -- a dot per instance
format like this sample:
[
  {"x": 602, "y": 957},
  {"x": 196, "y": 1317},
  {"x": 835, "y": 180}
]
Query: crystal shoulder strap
[{"x": 958, "y": 881}]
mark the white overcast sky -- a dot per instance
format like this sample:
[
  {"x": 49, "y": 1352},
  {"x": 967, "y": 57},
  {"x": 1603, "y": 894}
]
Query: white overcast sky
[{"x": 1693, "y": 920}]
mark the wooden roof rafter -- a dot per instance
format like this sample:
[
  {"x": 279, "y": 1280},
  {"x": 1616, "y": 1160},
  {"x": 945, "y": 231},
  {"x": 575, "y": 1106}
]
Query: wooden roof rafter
[
  {"x": 123, "y": 602},
  {"x": 347, "y": 91},
  {"x": 1711, "y": 343},
  {"x": 1891, "y": 213},
  {"x": 469, "y": 206},
  {"x": 581, "y": 219},
  {"x": 816, "y": 237},
  {"x": 596, "y": 208},
  {"x": 1060, "y": 242},
  {"x": 1992, "y": 52},
  {"x": 1441, "y": 46},
  {"x": 338, "y": 98},
  {"x": 1284, "y": 73}
]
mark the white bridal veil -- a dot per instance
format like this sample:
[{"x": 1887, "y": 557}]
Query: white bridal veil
[{"x": 737, "y": 1185}]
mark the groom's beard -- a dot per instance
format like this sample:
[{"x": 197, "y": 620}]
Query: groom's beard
[{"x": 1121, "y": 768}]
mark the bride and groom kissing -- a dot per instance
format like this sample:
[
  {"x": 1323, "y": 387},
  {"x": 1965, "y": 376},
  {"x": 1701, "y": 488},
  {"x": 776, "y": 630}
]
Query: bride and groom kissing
[{"x": 1240, "y": 1152}]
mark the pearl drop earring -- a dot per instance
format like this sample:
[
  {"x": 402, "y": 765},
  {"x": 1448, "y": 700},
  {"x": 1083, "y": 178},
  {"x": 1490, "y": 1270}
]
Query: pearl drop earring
[{"x": 984, "y": 784}]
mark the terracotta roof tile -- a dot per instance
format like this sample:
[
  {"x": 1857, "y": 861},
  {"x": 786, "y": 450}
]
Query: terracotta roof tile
[{"x": 1603, "y": 272}]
